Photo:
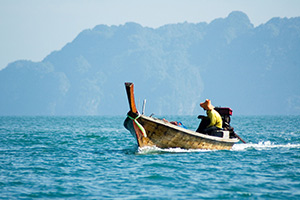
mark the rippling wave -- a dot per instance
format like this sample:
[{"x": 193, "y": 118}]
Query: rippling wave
[{"x": 97, "y": 158}]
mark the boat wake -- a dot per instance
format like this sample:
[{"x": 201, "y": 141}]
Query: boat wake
[
  {"x": 237, "y": 147},
  {"x": 263, "y": 146},
  {"x": 157, "y": 150}
]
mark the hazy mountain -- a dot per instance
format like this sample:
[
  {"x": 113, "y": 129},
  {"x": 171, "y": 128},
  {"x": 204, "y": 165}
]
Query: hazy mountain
[{"x": 254, "y": 70}]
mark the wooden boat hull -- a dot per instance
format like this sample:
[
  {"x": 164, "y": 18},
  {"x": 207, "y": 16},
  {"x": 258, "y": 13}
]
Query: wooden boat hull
[
  {"x": 166, "y": 135},
  {"x": 150, "y": 131}
]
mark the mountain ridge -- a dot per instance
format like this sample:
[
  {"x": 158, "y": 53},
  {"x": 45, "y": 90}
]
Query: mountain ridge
[{"x": 175, "y": 67}]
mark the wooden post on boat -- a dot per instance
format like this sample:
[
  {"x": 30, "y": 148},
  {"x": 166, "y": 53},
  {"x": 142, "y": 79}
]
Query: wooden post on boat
[
  {"x": 144, "y": 105},
  {"x": 130, "y": 96},
  {"x": 133, "y": 114}
]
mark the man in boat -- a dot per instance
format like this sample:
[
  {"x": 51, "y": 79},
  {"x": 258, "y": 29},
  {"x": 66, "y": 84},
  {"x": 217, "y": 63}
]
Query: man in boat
[{"x": 212, "y": 122}]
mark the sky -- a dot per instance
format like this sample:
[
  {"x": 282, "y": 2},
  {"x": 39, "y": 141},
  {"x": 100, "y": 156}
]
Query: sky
[{"x": 32, "y": 29}]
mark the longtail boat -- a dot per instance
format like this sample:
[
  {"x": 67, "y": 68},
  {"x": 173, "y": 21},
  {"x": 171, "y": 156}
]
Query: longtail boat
[{"x": 150, "y": 131}]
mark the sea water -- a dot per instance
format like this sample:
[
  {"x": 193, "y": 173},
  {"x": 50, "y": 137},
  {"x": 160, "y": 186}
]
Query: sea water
[{"x": 97, "y": 158}]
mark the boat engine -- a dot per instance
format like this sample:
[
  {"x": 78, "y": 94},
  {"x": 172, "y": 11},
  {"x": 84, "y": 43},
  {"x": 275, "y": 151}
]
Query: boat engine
[{"x": 225, "y": 114}]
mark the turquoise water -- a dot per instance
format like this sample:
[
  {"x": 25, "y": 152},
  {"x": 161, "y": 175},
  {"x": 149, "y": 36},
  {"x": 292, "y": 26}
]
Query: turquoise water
[{"x": 97, "y": 158}]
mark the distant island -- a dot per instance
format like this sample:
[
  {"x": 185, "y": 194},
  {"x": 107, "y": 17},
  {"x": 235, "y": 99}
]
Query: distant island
[{"x": 253, "y": 70}]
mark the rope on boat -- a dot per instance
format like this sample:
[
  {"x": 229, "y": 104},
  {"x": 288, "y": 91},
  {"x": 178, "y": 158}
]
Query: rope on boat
[{"x": 138, "y": 124}]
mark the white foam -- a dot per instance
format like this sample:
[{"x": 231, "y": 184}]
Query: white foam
[
  {"x": 263, "y": 145},
  {"x": 237, "y": 147},
  {"x": 154, "y": 149}
]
